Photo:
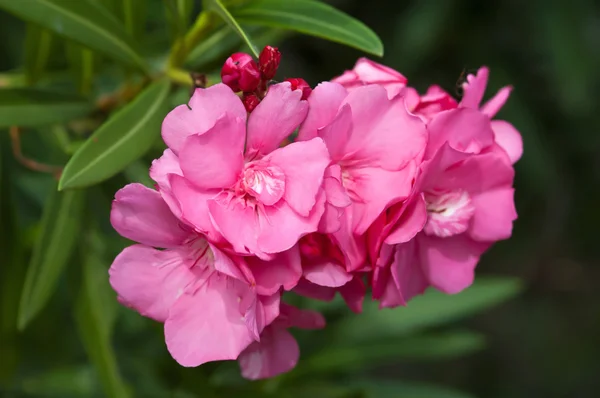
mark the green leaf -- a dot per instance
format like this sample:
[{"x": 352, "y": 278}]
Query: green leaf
[
  {"x": 82, "y": 21},
  {"x": 38, "y": 43},
  {"x": 94, "y": 315},
  {"x": 134, "y": 17},
  {"x": 402, "y": 389},
  {"x": 432, "y": 308},
  {"x": 82, "y": 66},
  {"x": 218, "y": 7},
  {"x": 376, "y": 353},
  {"x": 125, "y": 137},
  {"x": 30, "y": 107},
  {"x": 59, "y": 232},
  {"x": 75, "y": 381},
  {"x": 312, "y": 18}
]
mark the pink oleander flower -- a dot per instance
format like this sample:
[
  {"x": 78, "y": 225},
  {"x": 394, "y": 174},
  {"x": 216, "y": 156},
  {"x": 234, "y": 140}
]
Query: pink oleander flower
[
  {"x": 367, "y": 72},
  {"x": 375, "y": 147},
  {"x": 203, "y": 295},
  {"x": 461, "y": 203},
  {"x": 240, "y": 72},
  {"x": 225, "y": 174},
  {"x": 277, "y": 351}
]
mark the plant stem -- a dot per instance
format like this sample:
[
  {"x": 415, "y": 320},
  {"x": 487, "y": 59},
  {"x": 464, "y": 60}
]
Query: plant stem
[{"x": 203, "y": 25}]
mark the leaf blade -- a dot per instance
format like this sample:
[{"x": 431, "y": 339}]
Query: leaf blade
[
  {"x": 82, "y": 21},
  {"x": 59, "y": 230},
  {"x": 123, "y": 138},
  {"x": 32, "y": 108},
  {"x": 313, "y": 18},
  {"x": 218, "y": 7}
]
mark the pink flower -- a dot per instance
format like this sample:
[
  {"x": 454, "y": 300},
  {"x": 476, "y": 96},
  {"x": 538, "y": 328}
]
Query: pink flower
[
  {"x": 203, "y": 295},
  {"x": 278, "y": 352},
  {"x": 240, "y": 72},
  {"x": 461, "y": 203},
  {"x": 367, "y": 72},
  {"x": 231, "y": 181},
  {"x": 375, "y": 147},
  {"x": 268, "y": 62}
]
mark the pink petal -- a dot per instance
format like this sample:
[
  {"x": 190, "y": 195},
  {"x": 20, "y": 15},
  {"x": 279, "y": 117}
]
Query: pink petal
[
  {"x": 449, "y": 263},
  {"x": 310, "y": 290},
  {"x": 507, "y": 136},
  {"x": 494, "y": 215},
  {"x": 140, "y": 214},
  {"x": 270, "y": 307},
  {"x": 407, "y": 271},
  {"x": 410, "y": 223},
  {"x": 334, "y": 190},
  {"x": 326, "y": 273},
  {"x": 225, "y": 265},
  {"x": 280, "y": 226},
  {"x": 465, "y": 129},
  {"x": 352, "y": 246},
  {"x": 284, "y": 270},
  {"x": 292, "y": 317},
  {"x": 368, "y": 72},
  {"x": 303, "y": 164},
  {"x": 207, "y": 105},
  {"x": 324, "y": 103},
  {"x": 474, "y": 89},
  {"x": 208, "y": 326},
  {"x": 377, "y": 189},
  {"x": 384, "y": 287},
  {"x": 160, "y": 172},
  {"x": 493, "y": 106},
  {"x": 276, "y": 353},
  {"x": 383, "y": 134},
  {"x": 193, "y": 204},
  {"x": 150, "y": 280},
  {"x": 275, "y": 118},
  {"x": 330, "y": 221},
  {"x": 353, "y": 293},
  {"x": 336, "y": 134},
  {"x": 215, "y": 159}
]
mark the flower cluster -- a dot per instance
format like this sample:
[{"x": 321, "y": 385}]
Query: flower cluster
[{"x": 382, "y": 188}]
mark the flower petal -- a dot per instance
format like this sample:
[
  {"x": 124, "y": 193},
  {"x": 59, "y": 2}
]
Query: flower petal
[
  {"x": 202, "y": 112},
  {"x": 303, "y": 164},
  {"x": 449, "y": 263},
  {"x": 284, "y": 270},
  {"x": 150, "y": 280},
  {"x": 215, "y": 159},
  {"x": 493, "y": 106},
  {"x": 494, "y": 215},
  {"x": 208, "y": 326},
  {"x": 310, "y": 290},
  {"x": 410, "y": 223},
  {"x": 353, "y": 293},
  {"x": 326, "y": 273},
  {"x": 337, "y": 133},
  {"x": 276, "y": 353},
  {"x": 292, "y": 317},
  {"x": 275, "y": 118},
  {"x": 237, "y": 222},
  {"x": 507, "y": 136},
  {"x": 140, "y": 214},
  {"x": 324, "y": 103},
  {"x": 474, "y": 88},
  {"x": 407, "y": 271}
]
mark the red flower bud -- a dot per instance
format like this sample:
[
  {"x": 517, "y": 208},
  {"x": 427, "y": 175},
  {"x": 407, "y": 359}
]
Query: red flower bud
[
  {"x": 240, "y": 72},
  {"x": 300, "y": 84},
  {"x": 268, "y": 62},
  {"x": 250, "y": 101}
]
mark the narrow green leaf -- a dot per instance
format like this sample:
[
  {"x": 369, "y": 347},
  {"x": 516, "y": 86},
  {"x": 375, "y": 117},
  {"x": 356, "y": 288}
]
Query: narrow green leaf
[
  {"x": 355, "y": 357},
  {"x": 218, "y": 7},
  {"x": 433, "y": 308},
  {"x": 125, "y": 137},
  {"x": 30, "y": 107},
  {"x": 82, "y": 21},
  {"x": 76, "y": 381},
  {"x": 403, "y": 389},
  {"x": 81, "y": 61},
  {"x": 59, "y": 232},
  {"x": 311, "y": 17},
  {"x": 38, "y": 42},
  {"x": 93, "y": 315}
]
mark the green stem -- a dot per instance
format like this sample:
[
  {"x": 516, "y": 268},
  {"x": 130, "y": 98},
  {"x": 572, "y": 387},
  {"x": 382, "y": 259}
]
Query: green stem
[
  {"x": 203, "y": 25},
  {"x": 179, "y": 76}
]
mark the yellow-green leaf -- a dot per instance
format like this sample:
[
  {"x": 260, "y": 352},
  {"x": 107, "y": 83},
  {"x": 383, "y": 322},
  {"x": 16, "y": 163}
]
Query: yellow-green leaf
[
  {"x": 123, "y": 138},
  {"x": 30, "y": 107},
  {"x": 82, "y": 21},
  {"x": 218, "y": 7},
  {"x": 310, "y": 17},
  {"x": 59, "y": 231},
  {"x": 38, "y": 43}
]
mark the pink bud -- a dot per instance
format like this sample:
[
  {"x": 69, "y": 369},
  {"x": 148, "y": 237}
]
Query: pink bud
[
  {"x": 268, "y": 62},
  {"x": 240, "y": 72},
  {"x": 300, "y": 84},
  {"x": 250, "y": 102}
]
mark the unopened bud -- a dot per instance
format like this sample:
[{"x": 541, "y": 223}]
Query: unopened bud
[
  {"x": 240, "y": 72},
  {"x": 250, "y": 101},
  {"x": 268, "y": 62},
  {"x": 300, "y": 84}
]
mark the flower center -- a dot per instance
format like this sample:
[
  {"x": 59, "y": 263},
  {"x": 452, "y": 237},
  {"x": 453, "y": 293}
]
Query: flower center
[
  {"x": 264, "y": 182},
  {"x": 448, "y": 213}
]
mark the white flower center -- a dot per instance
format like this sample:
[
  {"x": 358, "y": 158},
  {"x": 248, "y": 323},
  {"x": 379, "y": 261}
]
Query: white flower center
[
  {"x": 264, "y": 182},
  {"x": 448, "y": 213}
]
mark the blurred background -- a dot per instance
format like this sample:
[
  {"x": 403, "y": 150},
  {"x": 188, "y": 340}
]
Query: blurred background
[{"x": 543, "y": 343}]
